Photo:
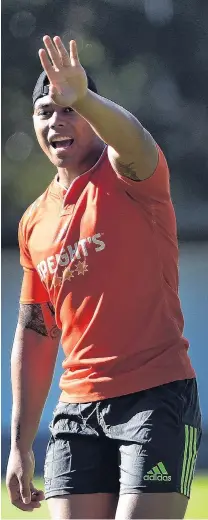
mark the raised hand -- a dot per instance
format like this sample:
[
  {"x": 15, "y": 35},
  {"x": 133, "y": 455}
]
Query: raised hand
[{"x": 68, "y": 79}]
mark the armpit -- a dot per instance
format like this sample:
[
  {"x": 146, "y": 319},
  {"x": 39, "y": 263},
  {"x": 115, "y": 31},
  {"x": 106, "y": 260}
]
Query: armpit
[{"x": 128, "y": 170}]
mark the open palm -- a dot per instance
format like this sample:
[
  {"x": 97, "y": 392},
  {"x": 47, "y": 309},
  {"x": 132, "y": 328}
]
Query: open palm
[{"x": 68, "y": 79}]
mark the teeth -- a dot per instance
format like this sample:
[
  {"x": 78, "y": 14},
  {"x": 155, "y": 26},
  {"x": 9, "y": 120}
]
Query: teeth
[{"x": 54, "y": 139}]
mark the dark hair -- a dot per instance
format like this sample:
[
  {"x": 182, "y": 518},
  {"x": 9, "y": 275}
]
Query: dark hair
[{"x": 42, "y": 86}]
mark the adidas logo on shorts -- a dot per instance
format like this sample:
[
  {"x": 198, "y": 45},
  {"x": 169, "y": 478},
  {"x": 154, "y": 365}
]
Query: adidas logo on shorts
[{"x": 158, "y": 473}]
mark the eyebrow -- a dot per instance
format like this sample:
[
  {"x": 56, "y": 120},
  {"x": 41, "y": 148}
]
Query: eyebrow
[{"x": 43, "y": 105}]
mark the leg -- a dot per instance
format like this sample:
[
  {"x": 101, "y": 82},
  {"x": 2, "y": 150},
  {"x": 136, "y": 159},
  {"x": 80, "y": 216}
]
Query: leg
[
  {"x": 157, "y": 463},
  {"x": 81, "y": 474},
  {"x": 96, "y": 505},
  {"x": 151, "y": 505}
]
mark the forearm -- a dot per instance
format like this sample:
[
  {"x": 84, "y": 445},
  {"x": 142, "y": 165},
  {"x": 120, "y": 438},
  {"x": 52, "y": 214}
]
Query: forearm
[
  {"x": 113, "y": 124},
  {"x": 32, "y": 367}
]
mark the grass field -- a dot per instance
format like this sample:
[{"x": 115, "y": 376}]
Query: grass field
[{"x": 197, "y": 508}]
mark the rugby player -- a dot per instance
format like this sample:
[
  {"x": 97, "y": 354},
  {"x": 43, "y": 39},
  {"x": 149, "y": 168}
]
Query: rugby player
[{"x": 100, "y": 258}]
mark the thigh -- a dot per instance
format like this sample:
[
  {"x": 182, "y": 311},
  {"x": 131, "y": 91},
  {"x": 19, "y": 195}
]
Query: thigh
[
  {"x": 161, "y": 452},
  {"x": 79, "y": 460},
  {"x": 151, "y": 505},
  {"x": 79, "y": 464},
  {"x": 98, "y": 505}
]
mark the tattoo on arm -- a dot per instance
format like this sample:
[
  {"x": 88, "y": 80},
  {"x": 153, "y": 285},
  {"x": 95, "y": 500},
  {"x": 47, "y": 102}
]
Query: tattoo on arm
[
  {"x": 31, "y": 316},
  {"x": 51, "y": 307},
  {"x": 18, "y": 432},
  {"x": 128, "y": 170},
  {"x": 54, "y": 330}
]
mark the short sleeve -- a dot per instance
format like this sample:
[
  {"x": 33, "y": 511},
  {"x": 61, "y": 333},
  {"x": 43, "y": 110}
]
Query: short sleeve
[
  {"x": 156, "y": 188},
  {"x": 32, "y": 290}
]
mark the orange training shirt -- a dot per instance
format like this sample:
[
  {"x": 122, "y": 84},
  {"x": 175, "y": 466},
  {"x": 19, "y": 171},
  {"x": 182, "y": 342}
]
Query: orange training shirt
[{"x": 105, "y": 253}]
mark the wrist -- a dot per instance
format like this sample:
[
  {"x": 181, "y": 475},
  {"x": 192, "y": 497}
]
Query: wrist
[
  {"x": 81, "y": 103},
  {"x": 21, "y": 445},
  {"x": 19, "y": 441},
  {"x": 21, "y": 449}
]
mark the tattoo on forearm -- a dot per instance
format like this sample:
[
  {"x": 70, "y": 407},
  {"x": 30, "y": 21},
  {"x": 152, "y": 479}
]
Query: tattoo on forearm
[
  {"x": 31, "y": 316},
  {"x": 51, "y": 307},
  {"x": 128, "y": 170},
  {"x": 18, "y": 432}
]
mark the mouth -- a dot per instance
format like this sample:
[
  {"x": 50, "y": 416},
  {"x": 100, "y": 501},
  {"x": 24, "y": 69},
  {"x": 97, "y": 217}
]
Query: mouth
[{"x": 62, "y": 143}]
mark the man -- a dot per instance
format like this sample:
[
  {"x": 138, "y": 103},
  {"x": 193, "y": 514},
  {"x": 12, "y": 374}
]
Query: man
[{"x": 99, "y": 253}]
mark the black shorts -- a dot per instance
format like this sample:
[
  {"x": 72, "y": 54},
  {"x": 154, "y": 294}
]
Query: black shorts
[{"x": 144, "y": 442}]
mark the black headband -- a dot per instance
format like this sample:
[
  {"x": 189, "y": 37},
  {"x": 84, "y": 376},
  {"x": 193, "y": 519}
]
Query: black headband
[{"x": 42, "y": 86}]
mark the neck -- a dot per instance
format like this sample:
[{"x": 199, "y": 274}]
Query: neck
[{"x": 67, "y": 175}]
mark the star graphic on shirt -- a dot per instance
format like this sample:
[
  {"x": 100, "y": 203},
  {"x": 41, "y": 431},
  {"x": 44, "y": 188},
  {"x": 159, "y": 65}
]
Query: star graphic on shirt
[
  {"x": 81, "y": 268},
  {"x": 56, "y": 281},
  {"x": 68, "y": 274}
]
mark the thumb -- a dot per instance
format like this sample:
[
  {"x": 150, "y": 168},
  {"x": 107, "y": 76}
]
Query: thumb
[
  {"x": 54, "y": 90},
  {"x": 25, "y": 490}
]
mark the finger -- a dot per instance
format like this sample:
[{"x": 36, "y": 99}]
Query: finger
[
  {"x": 73, "y": 53},
  {"x": 52, "y": 52},
  {"x": 64, "y": 55},
  {"x": 13, "y": 493},
  {"x": 36, "y": 494},
  {"x": 26, "y": 507},
  {"x": 46, "y": 64},
  {"x": 25, "y": 492},
  {"x": 15, "y": 498}
]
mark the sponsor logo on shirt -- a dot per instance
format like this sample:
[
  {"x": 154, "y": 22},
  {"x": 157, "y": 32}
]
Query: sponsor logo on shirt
[{"x": 68, "y": 255}]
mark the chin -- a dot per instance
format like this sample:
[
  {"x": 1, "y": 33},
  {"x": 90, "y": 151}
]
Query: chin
[{"x": 62, "y": 162}]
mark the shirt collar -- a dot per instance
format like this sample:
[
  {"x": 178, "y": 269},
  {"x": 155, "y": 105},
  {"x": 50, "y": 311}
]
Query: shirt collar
[{"x": 61, "y": 191}]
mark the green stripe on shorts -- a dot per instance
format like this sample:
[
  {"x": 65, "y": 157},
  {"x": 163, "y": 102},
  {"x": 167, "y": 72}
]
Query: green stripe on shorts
[
  {"x": 189, "y": 459},
  {"x": 193, "y": 462}
]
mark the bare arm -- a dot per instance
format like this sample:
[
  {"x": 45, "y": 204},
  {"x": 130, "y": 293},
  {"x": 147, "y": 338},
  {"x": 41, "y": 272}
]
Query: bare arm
[
  {"x": 131, "y": 149},
  {"x": 32, "y": 365}
]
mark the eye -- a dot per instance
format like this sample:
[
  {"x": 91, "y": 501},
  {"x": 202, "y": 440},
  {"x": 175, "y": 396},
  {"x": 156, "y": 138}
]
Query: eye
[
  {"x": 68, "y": 109},
  {"x": 44, "y": 113}
]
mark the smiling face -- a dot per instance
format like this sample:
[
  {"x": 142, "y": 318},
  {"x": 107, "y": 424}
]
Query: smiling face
[{"x": 65, "y": 137}]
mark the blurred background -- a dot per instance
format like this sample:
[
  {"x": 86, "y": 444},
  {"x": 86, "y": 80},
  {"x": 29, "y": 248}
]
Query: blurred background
[{"x": 150, "y": 56}]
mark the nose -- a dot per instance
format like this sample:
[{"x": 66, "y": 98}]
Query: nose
[{"x": 57, "y": 120}]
